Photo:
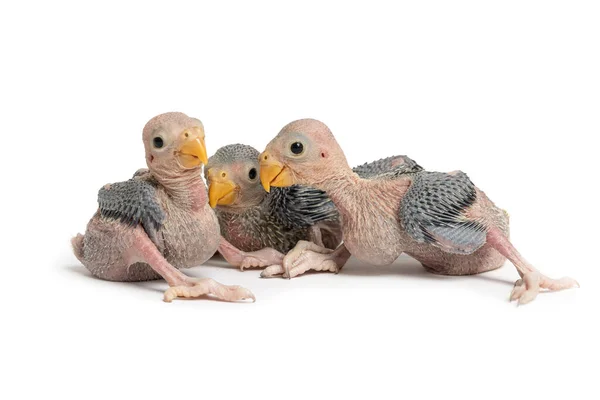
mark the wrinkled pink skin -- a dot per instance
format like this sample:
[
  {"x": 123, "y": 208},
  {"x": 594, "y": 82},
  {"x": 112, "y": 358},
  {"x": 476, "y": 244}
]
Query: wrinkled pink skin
[
  {"x": 235, "y": 254},
  {"x": 370, "y": 210},
  {"x": 189, "y": 236}
]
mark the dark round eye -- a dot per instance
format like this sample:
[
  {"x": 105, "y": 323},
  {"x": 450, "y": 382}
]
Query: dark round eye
[
  {"x": 252, "y": 174},
  {"x": 158, "y": 142},
  {"x": 297, "y": 148}
]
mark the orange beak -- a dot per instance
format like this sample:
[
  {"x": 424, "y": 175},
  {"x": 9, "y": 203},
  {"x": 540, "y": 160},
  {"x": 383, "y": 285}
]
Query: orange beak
[
  {"x": 274, "y": 173},
  {"x": 221, "y": 190},
  {"x": 192, "y": 151}
]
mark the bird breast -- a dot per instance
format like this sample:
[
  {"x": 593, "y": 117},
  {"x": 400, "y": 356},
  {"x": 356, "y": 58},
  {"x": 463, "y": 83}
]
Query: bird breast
[
  {"x": 190, "y": 238},
  {"x": 370, "y": 223}
]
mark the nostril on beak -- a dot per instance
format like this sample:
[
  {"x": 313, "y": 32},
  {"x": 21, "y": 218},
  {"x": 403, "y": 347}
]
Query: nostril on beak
[
  {"x": 223, "y": 174},
  {"x": 265, "y": 157}
]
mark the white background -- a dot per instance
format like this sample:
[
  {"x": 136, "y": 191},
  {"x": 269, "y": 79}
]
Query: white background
[{"x": 506, "y": 91}]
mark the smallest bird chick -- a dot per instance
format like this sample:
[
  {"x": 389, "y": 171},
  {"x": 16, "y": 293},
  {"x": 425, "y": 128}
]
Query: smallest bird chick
[{"x": 252, "y": 219}]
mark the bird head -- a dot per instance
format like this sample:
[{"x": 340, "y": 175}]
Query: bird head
[
  {"x": 174, "y": 143},
  {"x": 304, "y": 152},
  {"x": 233, "y": 178}
]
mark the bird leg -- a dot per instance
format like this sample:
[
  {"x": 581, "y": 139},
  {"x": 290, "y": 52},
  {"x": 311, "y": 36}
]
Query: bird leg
[
  {"x": 309, "y": 256},
  {"x": 181, "y": 285},
  {"x": 532, "y": 280},
  {"x": 253, "y": 259},
  {"x": 315, "y": 235}
]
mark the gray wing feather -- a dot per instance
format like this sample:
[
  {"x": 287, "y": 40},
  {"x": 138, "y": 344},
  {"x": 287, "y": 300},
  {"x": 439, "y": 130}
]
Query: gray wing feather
[
  {"x": 300, "y": 206},
  {"x": 133, "y": 203},
  {"x": 388, "y": 168},
  {"x": 432, "y": 211}
]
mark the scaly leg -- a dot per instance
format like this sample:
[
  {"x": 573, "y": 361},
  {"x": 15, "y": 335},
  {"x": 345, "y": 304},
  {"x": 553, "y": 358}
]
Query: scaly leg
[
  {"x": 309, "y": 256},
  {"x": 253, "y": 259},
  {"x": 180, "y": 284},
  {"x": 532, "y": 281}
]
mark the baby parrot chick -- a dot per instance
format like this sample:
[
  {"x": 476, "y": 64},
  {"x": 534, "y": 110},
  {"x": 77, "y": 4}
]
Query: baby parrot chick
[
  {"x": 441, "y": 219},
  {"x": 252, "y": 219},
  {"x": 158, "y": 222}
]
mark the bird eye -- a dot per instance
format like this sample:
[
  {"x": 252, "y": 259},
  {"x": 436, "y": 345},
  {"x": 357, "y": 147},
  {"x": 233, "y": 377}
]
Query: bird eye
[
  {"x": 297, "y": 148},
  {"x": 158, "y": 142},
  {"x": 252, "y": 174}
]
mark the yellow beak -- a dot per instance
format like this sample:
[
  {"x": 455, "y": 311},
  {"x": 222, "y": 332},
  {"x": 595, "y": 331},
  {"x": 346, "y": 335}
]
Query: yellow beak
[
  {"x": 221, "y": 191},
  {"x": 274, "y": 173},
  {"x": 192, "y": 151}
]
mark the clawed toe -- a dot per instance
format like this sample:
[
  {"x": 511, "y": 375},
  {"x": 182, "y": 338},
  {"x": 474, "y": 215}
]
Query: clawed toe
[
  {"x": 261, "y": 259},
  {"x": 559, "y": 284},
  {"x": 249, "y": 263},
  {"x": 208, "y": 287},
  {"x": 300, "y": 260},
  {"x": 272, "y": 271},
  {"x": 527, "y": 288}
]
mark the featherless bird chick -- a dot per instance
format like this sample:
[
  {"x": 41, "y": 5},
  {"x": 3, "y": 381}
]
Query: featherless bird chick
[
  {"x": 151, "y": 226},
  {"x": 252, "y": 219},
  {"x": 441, "y": 219}
]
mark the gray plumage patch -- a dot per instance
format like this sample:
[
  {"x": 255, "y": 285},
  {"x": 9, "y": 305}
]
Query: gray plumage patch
[
  {"x": 300, "y": 206},
  {"x": 387, "y": 168},
  {"x": 132, "y": 202},
  {"x": 432, "y": 211},
  {"x": 232, "y": 153},
  {"x": 281, "y": 219}
]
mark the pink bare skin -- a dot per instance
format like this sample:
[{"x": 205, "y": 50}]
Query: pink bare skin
[
  {"x": 189, "y": 235},
  {"x": 370, "y": 214},
  {"x": 249, "y": 259}
]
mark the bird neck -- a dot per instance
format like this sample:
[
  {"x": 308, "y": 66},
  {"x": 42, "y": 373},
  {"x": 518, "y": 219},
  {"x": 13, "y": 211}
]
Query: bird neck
[
  {"x": 353, "y": 195},
  {"x": 187, "y": 188},
  {"x": 338, "y": 184}
]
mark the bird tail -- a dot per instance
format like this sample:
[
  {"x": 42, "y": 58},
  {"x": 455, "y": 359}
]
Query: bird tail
[{"x": 77, "y": 243}]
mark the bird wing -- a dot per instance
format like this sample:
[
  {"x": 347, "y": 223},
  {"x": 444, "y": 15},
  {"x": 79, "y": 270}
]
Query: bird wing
[
  {"x": 300, "y": 206},
  {"x": 387, "y": 168},
  {"x": 133, "y": 202},
  {"x": 432, "y": 211},
  {"x": 142, "y": 172}
]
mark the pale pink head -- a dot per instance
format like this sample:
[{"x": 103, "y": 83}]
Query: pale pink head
[
  {"x": 174, "y": 143},
  {"x": 304, "y": 152}
]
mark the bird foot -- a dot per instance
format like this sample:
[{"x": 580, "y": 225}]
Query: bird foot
[
  {"x": 304, "y": 257},
  {"x": 527, "y": 288},
  {"x": 194, "y": 288},
  {"x": 261, "y": 258}
]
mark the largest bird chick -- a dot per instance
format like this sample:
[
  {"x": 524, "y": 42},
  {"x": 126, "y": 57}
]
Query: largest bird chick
[
  {"x": 160, "y": 221},
  {"x": 441, "y": 219}
]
